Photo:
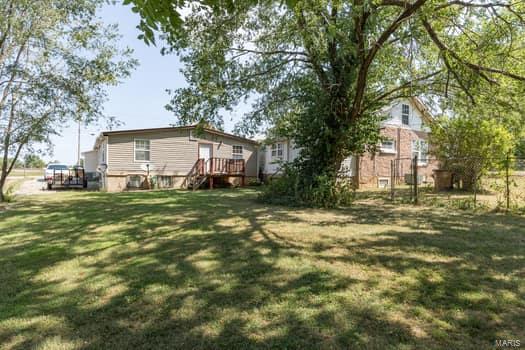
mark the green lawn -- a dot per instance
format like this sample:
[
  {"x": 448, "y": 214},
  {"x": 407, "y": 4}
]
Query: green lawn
[{"x": 216, "y": 269}]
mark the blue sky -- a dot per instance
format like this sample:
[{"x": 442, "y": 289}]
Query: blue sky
[{"x": 139, "y": 101}]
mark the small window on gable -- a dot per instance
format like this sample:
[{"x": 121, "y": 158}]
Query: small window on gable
[
  {"x": 142, "y": 150},
  {"x": 237, "y": 152},
  {"x": 277, "y": 151},
  {"x": 388, "y": 146},
  {"x": 405, "y": 114}
]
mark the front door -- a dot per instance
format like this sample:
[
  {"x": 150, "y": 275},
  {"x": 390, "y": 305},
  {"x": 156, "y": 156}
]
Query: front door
[{"x": 205, "y": 152}]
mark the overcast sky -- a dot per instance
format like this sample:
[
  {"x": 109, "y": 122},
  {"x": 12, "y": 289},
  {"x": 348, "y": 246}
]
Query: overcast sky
[{"x": 139, "y": 101}]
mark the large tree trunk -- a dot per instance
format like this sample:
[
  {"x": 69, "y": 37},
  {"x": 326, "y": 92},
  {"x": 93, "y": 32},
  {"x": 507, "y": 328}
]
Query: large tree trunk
[
  {"x": 6, "y": 168},
  {"x": 2, "y": 184}
]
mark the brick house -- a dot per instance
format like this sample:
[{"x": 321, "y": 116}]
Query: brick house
[{"x": 405, "y": 134}]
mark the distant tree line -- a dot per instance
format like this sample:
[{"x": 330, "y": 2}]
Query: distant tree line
[{"x": 33, "y": 161}]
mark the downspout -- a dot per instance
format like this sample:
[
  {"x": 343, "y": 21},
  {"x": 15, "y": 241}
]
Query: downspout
[
  {"x": 356, "y": 173},
  {"x": 106, "y": 151},
  {"x": 257, "y": 155},
  {"x": 398, "y": 151}
]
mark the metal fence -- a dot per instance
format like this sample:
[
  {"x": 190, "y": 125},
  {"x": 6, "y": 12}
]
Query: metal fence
[{"x": 462, "y": 182}]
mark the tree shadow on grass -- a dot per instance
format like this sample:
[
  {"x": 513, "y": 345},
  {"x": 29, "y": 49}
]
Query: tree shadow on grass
[{"x": 211, "y": 270}]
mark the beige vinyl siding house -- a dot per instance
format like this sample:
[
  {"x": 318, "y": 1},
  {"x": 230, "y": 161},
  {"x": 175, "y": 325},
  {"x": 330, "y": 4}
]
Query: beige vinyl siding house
[{"x": 169, "y": 154}]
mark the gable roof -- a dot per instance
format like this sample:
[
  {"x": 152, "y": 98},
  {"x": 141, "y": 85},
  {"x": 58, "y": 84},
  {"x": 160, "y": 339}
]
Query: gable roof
[
  {"x": 423, "y": 108},
  {"x": 175, "y": 128},
  {"x": 171, "y": 128}
]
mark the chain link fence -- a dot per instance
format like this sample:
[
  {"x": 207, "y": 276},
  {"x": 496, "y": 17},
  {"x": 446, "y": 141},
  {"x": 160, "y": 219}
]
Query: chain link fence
[{"x": 468, "y": 182}]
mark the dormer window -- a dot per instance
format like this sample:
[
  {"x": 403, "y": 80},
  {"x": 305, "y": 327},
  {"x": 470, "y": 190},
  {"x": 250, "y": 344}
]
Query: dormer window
[{"x": 405, "y": 114}]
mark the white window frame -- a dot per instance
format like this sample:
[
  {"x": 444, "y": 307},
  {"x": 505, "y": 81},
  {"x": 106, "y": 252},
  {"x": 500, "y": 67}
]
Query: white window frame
[
  {"x": 385, "y": 180},
  {"x": 391, "y": 150},
  {"x": 420, "y": 147},
  {"x": 237, "y": 155},
  {"x": 403, "y": 114},
  {"x": 143, "y": 150},
  {"x": 274, "y": 151}
]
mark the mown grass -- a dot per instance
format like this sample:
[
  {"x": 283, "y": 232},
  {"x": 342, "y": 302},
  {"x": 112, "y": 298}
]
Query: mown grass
[
  {"x": 490, "y": 196},
  {"x": 216, "y": 269}
]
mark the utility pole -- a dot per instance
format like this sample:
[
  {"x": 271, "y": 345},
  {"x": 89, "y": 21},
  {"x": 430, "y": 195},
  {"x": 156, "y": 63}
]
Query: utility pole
[{"x": 78, "y": 144}]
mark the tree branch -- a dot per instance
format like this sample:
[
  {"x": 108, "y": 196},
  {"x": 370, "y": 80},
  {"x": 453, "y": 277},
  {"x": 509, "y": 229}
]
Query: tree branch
[
  {"x": 475, "y": 67},
  {"x": 273, "y": 52},
  {"x": 406, "y": 85},
  {"x": 365, "y": 66}
]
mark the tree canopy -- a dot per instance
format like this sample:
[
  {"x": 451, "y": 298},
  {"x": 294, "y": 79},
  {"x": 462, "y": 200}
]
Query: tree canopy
[
  {"x": 470, "y": 146},
  {"x": 320, "y": 71},
  {"x": 33, "y": 161},
  {"x": 56, "y": 59}
]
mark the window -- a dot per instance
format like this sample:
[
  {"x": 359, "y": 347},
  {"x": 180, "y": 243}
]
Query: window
[
  {"x": 383, "y": 182},
  {"x": 420, "y": 148},
  {"x": 277, "y": 151},
  {"x": 134, "y": 181},
  {"x": 164, "y": 181},
  {"x": 142, "y": 152},
  {"x": 388, "y": 146},
  {"x": 405, "y": 114},
  {"x": 237, "y": 152}
]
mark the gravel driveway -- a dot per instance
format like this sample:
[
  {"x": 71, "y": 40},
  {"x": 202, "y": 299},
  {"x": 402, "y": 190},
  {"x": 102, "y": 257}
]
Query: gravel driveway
[{"x": 32, "y": 185}]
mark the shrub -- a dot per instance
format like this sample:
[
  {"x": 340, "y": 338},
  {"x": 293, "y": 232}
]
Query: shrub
[
  {"x": 470, "y": 146},
  {"x": 9, "y": 194},
  {"x": 291, "y": 188}
]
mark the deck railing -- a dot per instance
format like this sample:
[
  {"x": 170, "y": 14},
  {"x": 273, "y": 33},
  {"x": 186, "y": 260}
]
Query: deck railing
[{"x": 221, "y": 166}]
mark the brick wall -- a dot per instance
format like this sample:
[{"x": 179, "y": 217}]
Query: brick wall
[{"x": 372, "y": 167}]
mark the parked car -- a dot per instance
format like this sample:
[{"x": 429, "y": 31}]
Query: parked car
[{"x": 55, "y": 169}]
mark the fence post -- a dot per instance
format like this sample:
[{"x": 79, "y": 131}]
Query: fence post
[
  {"x": 415, "y": 181},
  {"x": 411, "y": 168},
  {"x": 475, "y": 187},
  {"x": 392, "y": 179},
  {"x": 507, "y": 165}
]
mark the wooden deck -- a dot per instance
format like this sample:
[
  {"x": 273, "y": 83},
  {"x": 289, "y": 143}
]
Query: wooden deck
[{"x": 215, "y": 168}]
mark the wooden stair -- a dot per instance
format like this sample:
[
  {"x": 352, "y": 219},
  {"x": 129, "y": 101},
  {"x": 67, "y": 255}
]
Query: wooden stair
[{"x": 211, "y": 168}]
